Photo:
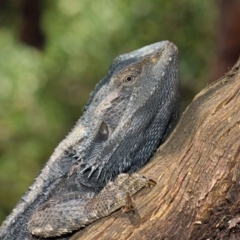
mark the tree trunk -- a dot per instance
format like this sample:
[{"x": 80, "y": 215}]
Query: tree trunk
[{"x": 197, "y": 174}]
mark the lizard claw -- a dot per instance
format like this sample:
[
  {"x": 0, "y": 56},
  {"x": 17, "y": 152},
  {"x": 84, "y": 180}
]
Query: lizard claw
[
  {"x": 151, "y": 183},
  {"x": 129, "y": 205}
]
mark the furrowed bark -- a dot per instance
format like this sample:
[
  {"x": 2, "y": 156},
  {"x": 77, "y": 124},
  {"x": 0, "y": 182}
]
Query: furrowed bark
[{"x": 197, "y": 173}]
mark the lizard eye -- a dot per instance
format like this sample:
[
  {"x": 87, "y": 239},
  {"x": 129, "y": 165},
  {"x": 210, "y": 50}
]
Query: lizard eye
[{"x": 129, "y": 80}]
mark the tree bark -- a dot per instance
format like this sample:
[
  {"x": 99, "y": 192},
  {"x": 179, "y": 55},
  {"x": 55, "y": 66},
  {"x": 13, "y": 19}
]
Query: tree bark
[{"x": 197, "y": 173}]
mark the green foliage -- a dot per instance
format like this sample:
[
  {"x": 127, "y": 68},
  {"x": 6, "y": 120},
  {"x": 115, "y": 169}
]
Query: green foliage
[{"x": 41, "y": 93}]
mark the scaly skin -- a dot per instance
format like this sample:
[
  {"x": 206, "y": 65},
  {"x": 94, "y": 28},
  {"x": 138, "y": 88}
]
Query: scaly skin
[
  {"x": 50, "y": 221},
  {"x": 129, "y": 114}
]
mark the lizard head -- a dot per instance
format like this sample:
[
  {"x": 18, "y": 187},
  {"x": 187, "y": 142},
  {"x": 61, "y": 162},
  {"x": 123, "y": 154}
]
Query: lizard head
[{"x": 129, "y": 113}]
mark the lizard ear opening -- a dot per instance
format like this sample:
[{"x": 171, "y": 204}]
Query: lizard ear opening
[{"x": 103, "y": 132}]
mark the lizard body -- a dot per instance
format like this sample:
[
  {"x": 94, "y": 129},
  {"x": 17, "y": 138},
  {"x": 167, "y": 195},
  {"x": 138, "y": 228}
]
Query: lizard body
[{"x": 129, "y": 114}]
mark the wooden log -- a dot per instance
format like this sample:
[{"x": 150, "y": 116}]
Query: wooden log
[{"x": 197, "y": 171}]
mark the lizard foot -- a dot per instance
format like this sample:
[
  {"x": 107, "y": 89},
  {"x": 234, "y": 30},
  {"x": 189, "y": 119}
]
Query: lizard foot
[{"x": 67, "y": 214}]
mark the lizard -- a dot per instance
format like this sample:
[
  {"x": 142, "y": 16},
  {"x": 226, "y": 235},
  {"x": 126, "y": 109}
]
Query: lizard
[{"x": 130, "y": 112}]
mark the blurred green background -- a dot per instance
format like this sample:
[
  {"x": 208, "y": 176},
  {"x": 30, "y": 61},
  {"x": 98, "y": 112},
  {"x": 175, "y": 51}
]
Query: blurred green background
[{"x": 42, "y": 92}]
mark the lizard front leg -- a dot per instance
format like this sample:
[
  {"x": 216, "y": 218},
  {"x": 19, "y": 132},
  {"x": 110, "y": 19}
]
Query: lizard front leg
[{"x": 56, "y": 218}]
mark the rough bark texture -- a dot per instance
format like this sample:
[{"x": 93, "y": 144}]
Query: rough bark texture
[{"x": 197, "y": 174}]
